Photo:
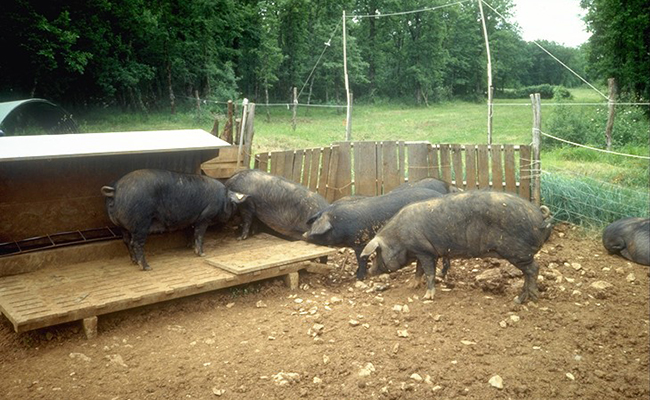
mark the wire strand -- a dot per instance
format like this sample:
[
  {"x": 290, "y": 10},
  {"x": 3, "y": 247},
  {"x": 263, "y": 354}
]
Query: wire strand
[
  {"x": 594, "y": 148},
  {"x": 406, "y": 12}
]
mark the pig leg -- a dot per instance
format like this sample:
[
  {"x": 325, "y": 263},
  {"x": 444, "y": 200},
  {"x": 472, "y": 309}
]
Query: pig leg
[
  {"x": 530, "y": 270},
  {"x": 247, "y": 213},
  {"x": 137, "y": 247},
  {"x": 362, "y": 264},
  {"x": 126, "y": 238},
  {"x": 199, "y": 234},
  {"x": 445, "y": 267},
  {"x": 428, "y": 263},
  {"x": 418, "y": 276}
]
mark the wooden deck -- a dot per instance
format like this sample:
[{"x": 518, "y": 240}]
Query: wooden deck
[{"x": 81, "y": 291}]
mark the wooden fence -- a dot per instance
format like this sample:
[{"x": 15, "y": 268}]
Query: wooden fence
[{"x": 372, "y": 168}]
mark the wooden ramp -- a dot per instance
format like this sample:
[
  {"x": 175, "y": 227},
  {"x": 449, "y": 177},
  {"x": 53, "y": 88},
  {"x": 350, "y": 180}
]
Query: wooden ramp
[{"x": 82, "y": 291}]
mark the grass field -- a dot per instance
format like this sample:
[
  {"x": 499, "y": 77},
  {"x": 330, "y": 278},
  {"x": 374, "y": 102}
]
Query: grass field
[{"x": 450, "y": 122}]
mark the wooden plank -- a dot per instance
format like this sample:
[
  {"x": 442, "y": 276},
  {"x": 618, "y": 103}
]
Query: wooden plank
[
  {"x": 434, "y": 163},
  {"x": 524, "y": 172},
  {"x": 332, "y": 189},
  {"x": 277, "y": 163},
  {"x": 344, "y": 170},
  {"x": 445, "y": 163},
  {"x": 418, "y": 165},
  {"x": 306, "y": 168},
  {"x": 297, "y": 165},
  {"x": 314, "y": 169},
  {"x": 497, "y": 167},
  {"x": 288, "y": 164},
  {"x": 457, "y": 161},
  {"x": 365, "y": 168},
  {"x": 324, "y": 172},
  {"x": 470, "y": 167},
  {"x": 390, "y": 167},
  {"x": 509, "y": 167},
  {"x": 379, "y": 167},
  {"x": 401, "y": 161},
  {"x": 262, "y": 162},
  {"x": 83, "y": 290},
  {"x": 483, "y": 167}
]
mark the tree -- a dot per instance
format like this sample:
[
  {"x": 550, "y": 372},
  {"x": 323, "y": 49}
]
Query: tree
[{"x": 619, "y": 46}]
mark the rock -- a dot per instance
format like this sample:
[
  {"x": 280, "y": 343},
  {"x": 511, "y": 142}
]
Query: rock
[
  {"x": 570, "y": 376},
  {"x": 515, "y": 318},
  {"x": 218, "y": 392},
  {"x": 467, "y": 342},
  {"x": 353, "y": 322},
  {"x": 576, "y": 266},
  {"x": 260, "y": 304},
  {"x": 336, "y": 300},
  {"x": 496, "y": 381},
  {"x": 397, "y": 307},
  {"x": 360, "y": 285},
  {"x": 366, "y": 370},
  {"x": 318, "y": 329},
  {"x": 406, "y": 309},
  {"x": 599, "y": 373},
  {"x": 402, "y": 333},
  {"x": 230, "y": 305},
  {"x": 630, "y": 278},
  {"x": 286, "y": 378},
  {"x": 317, "y": 380},
  {"x": 396, "y": 348},
  {"x": 117, "y": 359},
  {"x": 80, "y": 356},
  {"x": 298, "y": 301},
  {"x": 601, "y": 285},
  {"x": 491, "y": 280},
  {"x": 416, "y": 377},
  {"x": 503, "y": 324}
]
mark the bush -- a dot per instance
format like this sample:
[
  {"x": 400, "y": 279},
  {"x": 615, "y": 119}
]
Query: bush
[{"x": 545, "y": 91}]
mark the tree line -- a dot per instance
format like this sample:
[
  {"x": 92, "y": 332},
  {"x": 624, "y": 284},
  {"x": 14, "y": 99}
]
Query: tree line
[{"x": 148, "y": 54}]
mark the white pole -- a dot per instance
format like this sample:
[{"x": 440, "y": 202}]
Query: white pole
[
  {"x": 241, "y": 130},
  {"x": 348, "y": 113},
  {"x": 489, "y": 73}
]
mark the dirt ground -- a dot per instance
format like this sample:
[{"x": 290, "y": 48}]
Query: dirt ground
[{"x": 334, "y": 338}]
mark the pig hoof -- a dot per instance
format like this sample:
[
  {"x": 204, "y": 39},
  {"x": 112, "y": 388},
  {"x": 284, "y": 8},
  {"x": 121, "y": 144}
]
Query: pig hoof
[
  {"x": 414, "y": 284},
  {"x": 429, "y": 295},
  {"x": 147, "y": 268}
]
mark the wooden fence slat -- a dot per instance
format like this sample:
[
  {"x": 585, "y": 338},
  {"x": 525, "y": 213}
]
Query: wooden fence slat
[
  {"x": 483, "y": 167},
  {"x": 445, "y": 163},
  {"x": 332, "y": 189},
  {"x": 509, "y": 164},
  {"x": 470, "y": 167},
  {"x": 390, "y": 167},
  {"x": 288, "y": 164},
  {"x": 417, "y": 161},
  {"x": 324, "y": 172},
  {"x": 379, "y": 154},
  {"x": 401, "y": 162},
  {"x": 524, "y": 172},
  {"x": 365, "y": 164},
  {"x": 277, "y": 163},
  {"x": 457, "y": 161},
  {"x": 344, "y": 175},
  {"x": 296, "y": 171},
  {"x": 434, "y": 165},
  {"x": 497, "y": 168},
  {"x": 314, "y": 169},
  {"x": 306, "y": 168}
]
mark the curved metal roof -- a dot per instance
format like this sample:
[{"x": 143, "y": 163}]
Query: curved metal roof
[{"x": 35, "y": 117}]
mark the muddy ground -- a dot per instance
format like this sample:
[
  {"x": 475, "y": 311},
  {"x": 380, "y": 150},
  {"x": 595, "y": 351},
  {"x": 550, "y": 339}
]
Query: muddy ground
[{"x": 586, "y": 338}]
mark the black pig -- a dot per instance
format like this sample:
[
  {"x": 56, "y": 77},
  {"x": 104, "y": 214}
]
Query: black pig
[
  {"x": 353, "y": 223},
  {"x": 282, "y": 205},
  {"x": 148, "y": 200},
  {"x": 629, "y": 237},
  {"x": 464, "y": 225},
  {"x": 428, "y": 183}
]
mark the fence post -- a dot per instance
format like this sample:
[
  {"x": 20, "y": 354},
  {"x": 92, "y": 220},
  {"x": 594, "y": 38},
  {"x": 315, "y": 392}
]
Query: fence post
[
  {"x": 295, "y": 107},
  {"x": 241, "y": 133},
  {"x": 611, "y": 112},
  {"x": 249, "y": 131},
  {"x": 348, "y": 119},
  {"x": 535, "y": 164},
  {"x": 227, "y": 128}
]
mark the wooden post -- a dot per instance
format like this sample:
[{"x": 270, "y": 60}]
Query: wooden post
[
  {"x": 348, "y": 119},
  {"x": 295, "y": 108},
  {"x": 611, "y": 111},
  {"x": 535, "y": 164},
  {"x": 249, "y": 131},
  {"x": 215, "y": 127},
  {"x": 489, "y": 72},
  {"x": 348, "y": 125},
  {"x": 227, "y": 128},
  {"x": 241, "y": 132},
  {"x": 198, "y": 102},
  {"x": 172, "y": 98}
]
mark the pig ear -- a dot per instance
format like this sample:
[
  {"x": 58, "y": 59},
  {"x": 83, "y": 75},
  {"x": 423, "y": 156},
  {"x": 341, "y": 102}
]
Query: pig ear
[
  {"x": 320, "y": 225},
  {"x": 371, "y": 247},
  {"x": 237, "y": 198},
  {"x": 314, "y": 218}
]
